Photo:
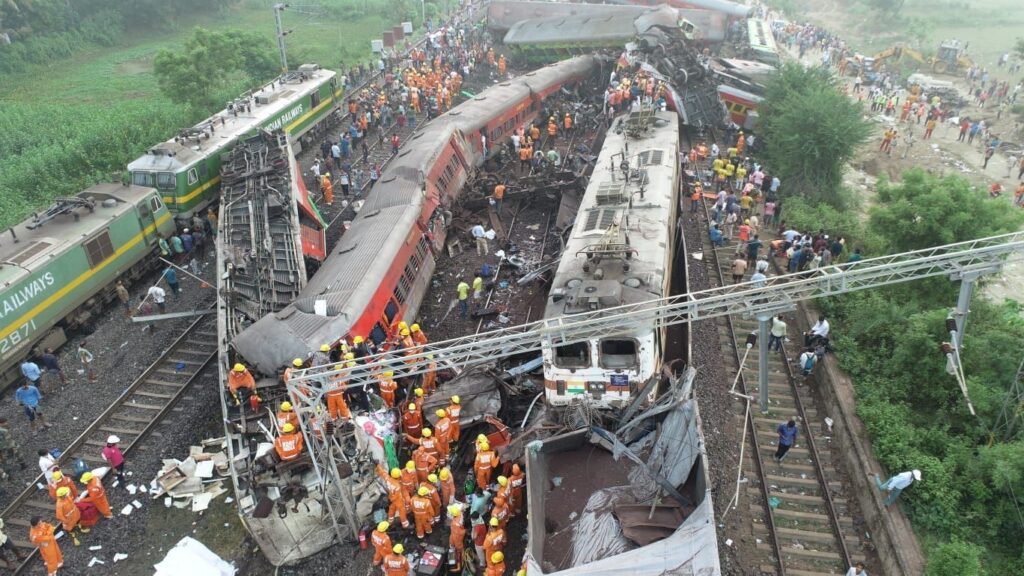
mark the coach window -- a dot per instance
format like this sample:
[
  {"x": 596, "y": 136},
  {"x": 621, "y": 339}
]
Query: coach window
[
  {"x": 618, "y": 354},
  {"x": 165, "y": 180},
  {"x": 378, "y": 335},
  {"x": 391, "y": 310},
  {"x": 573, "y": 355}
]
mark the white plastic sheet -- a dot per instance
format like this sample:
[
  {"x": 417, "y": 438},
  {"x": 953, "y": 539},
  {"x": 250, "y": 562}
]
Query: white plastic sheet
[{"x": 191, "y": 557}]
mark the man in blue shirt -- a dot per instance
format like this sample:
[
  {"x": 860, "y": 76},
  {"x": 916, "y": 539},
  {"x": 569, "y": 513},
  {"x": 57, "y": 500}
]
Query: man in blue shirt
[
  {"x": 172, "y": 280},
  {"x": 787, "y": 438},
  {"x": 28, "y": 397},
  {"x": 30, "y": 370}
]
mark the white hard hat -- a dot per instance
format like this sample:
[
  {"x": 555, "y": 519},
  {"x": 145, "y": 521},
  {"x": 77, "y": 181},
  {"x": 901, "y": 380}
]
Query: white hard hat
[
  {"x": 113, "y": 439},
  {"x": 917, "y": 474}
]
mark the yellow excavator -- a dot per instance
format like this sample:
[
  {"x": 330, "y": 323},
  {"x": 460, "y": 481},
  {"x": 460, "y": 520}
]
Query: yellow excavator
[{"x": 949, "y": 60}]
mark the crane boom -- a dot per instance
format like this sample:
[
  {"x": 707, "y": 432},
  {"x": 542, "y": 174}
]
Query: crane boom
[{"x": 974, "y": 257}]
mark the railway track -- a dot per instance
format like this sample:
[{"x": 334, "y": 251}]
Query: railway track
[
  {"x": 799, "y": 518},
  {"x": 131, "y": 417}
]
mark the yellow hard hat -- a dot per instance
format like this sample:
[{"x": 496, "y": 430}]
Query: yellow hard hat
[
  {"x": 383, "y": 527},
  {"x": 286, "y": 406},
  {"x": 410, "y": 465},
  {"x": 454, "y": 510},
  {"x": 441, "y": 413},
  {"x": 325, "y": 347},
  {"x": 481, "y": 438},
  {"x": 396, "y": 473},
  {"x": 423, "y": 491},
  {"x": 398, "y": 549},
  {"x": 494, "y": 521},
  {"x": 456, "y": 399},
  {"x": 297, "y": 362},
  {"x": 405, "y": 331},
  {"x": 502, "y": 480},
  {"x": 484, "y": 446},
  {"x": 418, "y": 392},
  {"x": 239, "y": 368},
  {"x": 432, "y": 477},
  {"x": 57, "y": 474},
  {"x": 412, "y": 407},
  {"x": 63, "y": 492},
  {"x": 350, "y": 356},
  {"x": 497, "y": 557},
  {"x": 86, "y": 477},
  {"x": 415, "y": 327},
  {"x": 388, "y": 374},
  {"x": 288, "y": 428},
  {"x": 521, "y": 572},
  {"x": 427, "y": 432},
  {"x": 358, "y": 340},
  {"x": 402, "y": 325},
  {"x": 445, "y": 473}
]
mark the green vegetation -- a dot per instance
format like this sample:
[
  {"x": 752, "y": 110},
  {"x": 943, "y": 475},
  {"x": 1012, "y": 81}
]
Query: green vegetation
[
  {"x": 966, "y": 507},
  {"x": 810, "y": 130},
  {"x": 79, "y": 97},
  {"x": 211, "y": 62}
]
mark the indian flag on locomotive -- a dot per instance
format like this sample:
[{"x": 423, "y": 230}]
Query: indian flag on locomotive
[{"x": 186, "y": 168}]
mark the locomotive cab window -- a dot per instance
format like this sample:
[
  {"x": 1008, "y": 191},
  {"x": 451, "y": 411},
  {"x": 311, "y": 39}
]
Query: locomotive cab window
[
  {"x": 573, "y": 355},
  {"x": 193, "y": 176},
  {"x": 618, "y": 354},
  {"x": 141, "y": 179},
  {"x": 165, "y": 180},
  {"x": 99, "y": 249},
  {"x": 154, "y": 203}
]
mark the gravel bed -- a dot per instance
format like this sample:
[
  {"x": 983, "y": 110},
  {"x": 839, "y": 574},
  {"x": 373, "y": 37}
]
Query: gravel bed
[{"x": 717, "y": 407}]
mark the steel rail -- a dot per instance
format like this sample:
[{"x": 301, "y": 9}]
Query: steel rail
[{"x": 71, "y": 452}]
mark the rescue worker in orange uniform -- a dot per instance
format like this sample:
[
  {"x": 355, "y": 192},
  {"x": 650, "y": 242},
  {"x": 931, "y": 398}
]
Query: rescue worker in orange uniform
[
  {"x": 518, "y": 482},
  {"x": 505, "y": 491},
  {"x": 336, "y": 405},
  {"x": 552, "y": 128},
  {"x": 409, "y": 479},
  {"x": 61, "y": 481},
  {"x": 496, "y": 565},
  {"x": 288, "y": 444},
  {"x": 534, "y": 134},
  {"x": 501, "y": 65},
  {"x": 484, "y": 465},
  {"x": 495, "y": 540},
  {"x": 443, "y": 430},
  {"x": 241, "y": 384},
  {"x": 408, "y": 344},
  {"x": 430, "y": 376},
  {"x": 447, "y": 486},
  {"x": 423, "y": 513},
  {"x": 434, "y": 495},
  {"x": 418, "y": 336},
  {"x": 297, "y": 364},
  {"x": 328, "y": 187},
  {"x": 412, "y": 420},
  {"x": 96, "y": 495},
  {"x": 454, "y": 410},
  {"x": 395, "y": 564},
  {"x": 456, "y": 537},
  {"x": 428, "y": 442},
  {"x": 388, "y": 387},
  {"x": 69, "y": 514},
  {"x": 501, "y": 511},
  {"x": 425, "y": 463},
  {"x": 567, "y": 123},
  {"x": 41, "y": 534},
  {"x": 398, "y": 501},
  {"x": 285, "y": 415},
  {"x": 381, "y": 543}
]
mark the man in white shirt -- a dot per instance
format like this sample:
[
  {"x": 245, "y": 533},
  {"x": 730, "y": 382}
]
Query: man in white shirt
[
  {"x": 480, "y": 235},
  {"x": 778, "y": 333},
  {"x": 896, "y": 484},
  {"x": 818, "y": 332},
  {"x": 158, "y": 295},
  {"x": 758, "y": 279}
]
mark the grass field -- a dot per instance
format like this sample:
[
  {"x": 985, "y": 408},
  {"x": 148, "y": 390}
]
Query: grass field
[{"x": 72, "y": 122}]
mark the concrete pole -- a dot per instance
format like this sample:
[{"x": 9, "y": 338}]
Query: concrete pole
[{"x": 763, "y": 328}]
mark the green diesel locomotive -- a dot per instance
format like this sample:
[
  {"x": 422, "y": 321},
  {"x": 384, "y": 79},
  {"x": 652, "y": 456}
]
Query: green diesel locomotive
[
  {"x": 186, "y": 168},
  {"x": 58, "y": 267}
]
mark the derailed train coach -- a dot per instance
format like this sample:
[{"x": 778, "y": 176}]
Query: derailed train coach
[{"x": 381, "y": 268}]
